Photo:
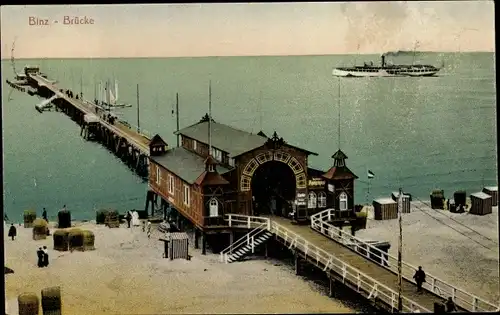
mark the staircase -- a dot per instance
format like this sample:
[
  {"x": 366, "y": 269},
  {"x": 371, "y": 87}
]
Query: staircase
[{"x": 246, "y": 244}]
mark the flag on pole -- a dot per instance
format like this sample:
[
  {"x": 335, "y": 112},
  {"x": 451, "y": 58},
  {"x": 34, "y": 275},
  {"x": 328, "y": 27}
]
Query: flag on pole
[{"x": 370, "y": 174}]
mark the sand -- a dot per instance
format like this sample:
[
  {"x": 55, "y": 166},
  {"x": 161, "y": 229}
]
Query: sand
[
  {"x": 442, "y": 251},
  {"x": 127, "y": 274}
]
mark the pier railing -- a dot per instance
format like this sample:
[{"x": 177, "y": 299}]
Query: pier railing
[
  {"x": 465, "y": 300},
  {"x": 351, "y": 276}
]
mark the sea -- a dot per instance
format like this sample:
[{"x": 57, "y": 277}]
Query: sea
[{"x": 417, "y": 134}]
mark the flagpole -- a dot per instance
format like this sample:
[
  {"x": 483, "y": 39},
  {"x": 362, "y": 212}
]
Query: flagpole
[
  {"x": 368, "y": 190},
  {"x": 370, "y": 176},
  {"x": 400, "y": 249}
]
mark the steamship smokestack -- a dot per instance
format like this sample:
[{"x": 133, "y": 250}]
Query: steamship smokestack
[{"x": 383, "y": 61}]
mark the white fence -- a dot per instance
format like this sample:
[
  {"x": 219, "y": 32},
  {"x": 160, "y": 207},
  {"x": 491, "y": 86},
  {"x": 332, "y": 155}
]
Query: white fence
[
  {"x": 351, "y": 276},
  {"x": 465, "y": 300}
]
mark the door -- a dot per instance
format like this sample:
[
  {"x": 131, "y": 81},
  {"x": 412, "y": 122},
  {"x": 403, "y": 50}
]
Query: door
[{"x": 214, "y": 207}]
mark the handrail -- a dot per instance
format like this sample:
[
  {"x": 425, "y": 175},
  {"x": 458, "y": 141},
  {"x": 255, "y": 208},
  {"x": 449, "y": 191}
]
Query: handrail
[
  {"x": 437, "y": 286},
  {"x": 247, "y": 239},
  {"x": 361, "y": 281},
  {"x": 248, "y": 220}
]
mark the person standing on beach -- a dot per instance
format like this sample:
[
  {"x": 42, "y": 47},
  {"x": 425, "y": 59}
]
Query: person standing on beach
[
  {"x": 45, "y": 257},
  {"x": 419, "y": 278},
  {"x": 148, "y": 229},
  {"x": 44, "y": 215},
  {"x": 128, "y": 217},
  {"x": 39, "y": 253},
  {"x": 12, "y": 231}
]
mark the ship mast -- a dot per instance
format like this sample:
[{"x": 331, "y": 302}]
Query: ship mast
[
  {"x": 356, "y": 56},
  {"x": 12, "y": 60},
  {"x": 260, "y": 111},
  {"x": 414, "y": 52},
  {"x": 138, "y": 109},
  {"x": 210, "y": 117},
  {"x": 339, "y": 115}
]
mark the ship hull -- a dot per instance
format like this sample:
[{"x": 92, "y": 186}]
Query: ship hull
[{"x": 381, "y": 73}]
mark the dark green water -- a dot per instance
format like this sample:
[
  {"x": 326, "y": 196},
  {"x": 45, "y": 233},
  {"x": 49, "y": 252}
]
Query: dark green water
[{"x": 417, "y": 133}]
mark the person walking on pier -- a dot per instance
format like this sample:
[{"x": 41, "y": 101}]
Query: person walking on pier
[
  {"x": 12, "y": 231},
  {"x": 128, "y": 218},
  {"x": 419, "y": 278},
  {"x": 450, "y": 306}
]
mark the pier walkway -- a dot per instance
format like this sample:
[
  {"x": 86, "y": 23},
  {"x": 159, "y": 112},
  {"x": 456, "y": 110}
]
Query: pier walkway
[
  {"x": 127, "y": 143},
  {"x": 139, "y": 140},
  {"x": 370, "y": 279}
]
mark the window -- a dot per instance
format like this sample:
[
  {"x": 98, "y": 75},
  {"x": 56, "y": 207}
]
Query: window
[
  {"x": 300, "y": 180},
  {"x": 218, "y": 155},
  {"x": 322, "y": 200},
  {"x": 343, "y": 201},
  {"x": 246, "y": 183},
  {"x": 311, "y": 201},
  {"x": 186, "y": 195},
  {"x": 194, "y": 145},
  {"x": 214, "y": 207},
  {"x": 231, "y": 162},
  {"x": 211, "y": 168},
  {"x": 171, "y": 184},
  {"x": 295, "y": 165},
  {"x": 250, "y": 167},
  {"x": 158, "y": 174}
]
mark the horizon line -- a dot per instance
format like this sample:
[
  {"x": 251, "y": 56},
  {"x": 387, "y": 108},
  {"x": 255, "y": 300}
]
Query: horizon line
[{"x": 270, "y": 55}]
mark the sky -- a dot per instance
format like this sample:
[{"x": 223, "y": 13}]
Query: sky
[{"x": 246, "y": 29}]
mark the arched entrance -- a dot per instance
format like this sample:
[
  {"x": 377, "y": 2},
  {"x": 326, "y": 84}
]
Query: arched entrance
[
  {"x": 275, "y": 169},
  {"x": 273, "y": 189}
]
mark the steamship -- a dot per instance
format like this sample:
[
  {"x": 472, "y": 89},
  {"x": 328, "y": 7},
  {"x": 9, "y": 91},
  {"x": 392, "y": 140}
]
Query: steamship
[{"x": 386, "y": 70}]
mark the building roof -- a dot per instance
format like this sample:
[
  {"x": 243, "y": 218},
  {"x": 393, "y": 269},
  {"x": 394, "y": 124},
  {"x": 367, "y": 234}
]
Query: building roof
[
  {"x": 224, "y": 137},
  {"x": 385, "y": 201},
  {"x": 184, "y": 163},
  {"x": 229, "y": 139},
  {"x": 211, "y": 178},
  {"x": 339, "y": 172},
  {"x": 481, "y": 195},
  {"x": 314, "y": 172},
  {"x": 157, "y": 140},
  {"x": 491, "y": 188}
]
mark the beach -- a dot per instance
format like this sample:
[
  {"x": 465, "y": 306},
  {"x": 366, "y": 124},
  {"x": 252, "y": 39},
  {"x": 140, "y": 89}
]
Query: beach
[{"x": 126, "y": 274}]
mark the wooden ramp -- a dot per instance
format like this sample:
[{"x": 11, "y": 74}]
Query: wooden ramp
[
  {"x": 381, "y": 274},
  {"x": 375, "y": 281}
]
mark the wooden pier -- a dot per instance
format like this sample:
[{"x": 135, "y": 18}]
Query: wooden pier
[
  {"x": 131, "y": 146},
  {"x": 345, "y": 267}
]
